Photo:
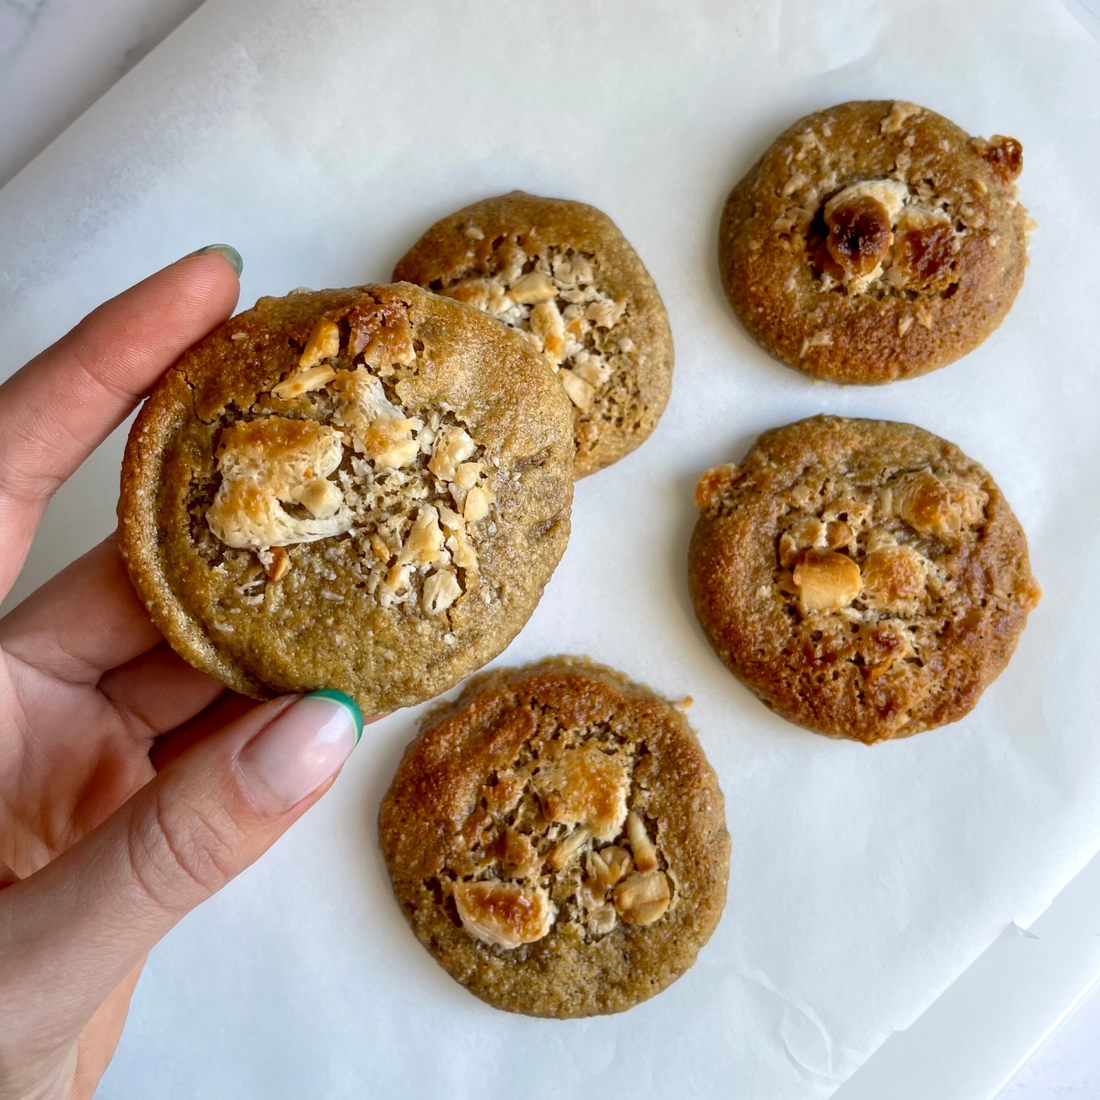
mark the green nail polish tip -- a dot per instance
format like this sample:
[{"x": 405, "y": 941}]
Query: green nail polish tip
[
  {"x": 345, "y": 701},
  {"x": 225, "y": 250}
]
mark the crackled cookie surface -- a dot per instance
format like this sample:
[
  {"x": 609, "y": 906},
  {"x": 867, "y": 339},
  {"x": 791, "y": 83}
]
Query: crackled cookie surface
[
  {"x": 561, "y": 273},
  {"x": 362, "y": 489},
  {"x": 875, "y": 241},
  {"x": 557, "y": 840},
  {"x": 865, "y": 578}
]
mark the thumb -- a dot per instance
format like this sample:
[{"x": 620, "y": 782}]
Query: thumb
[{"x": 72, "y": 930}]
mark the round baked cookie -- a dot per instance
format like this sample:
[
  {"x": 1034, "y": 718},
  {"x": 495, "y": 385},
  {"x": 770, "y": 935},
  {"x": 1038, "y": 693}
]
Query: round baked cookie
[
  {"x": 362, "y": 489},
  {"x": 563, "y": 274},
  {"x": 875, "y": 241},
  {"x": 864, "y": 578},
  {"x": 557, "y": 840}
]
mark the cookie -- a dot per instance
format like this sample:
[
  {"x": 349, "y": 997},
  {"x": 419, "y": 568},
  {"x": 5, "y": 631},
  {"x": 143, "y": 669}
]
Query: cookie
[
  {"x": 864, "y": 578},
  {"x": 563, "y": 274},
  {"x": 362, "y": 489},
  {"x": 557, "y": 840},
  {"x": 875, "y": 241}
]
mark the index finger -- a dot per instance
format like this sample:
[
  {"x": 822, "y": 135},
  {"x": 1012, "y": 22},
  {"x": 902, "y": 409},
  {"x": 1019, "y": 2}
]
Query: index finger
[{"x": 67, "y": 400}]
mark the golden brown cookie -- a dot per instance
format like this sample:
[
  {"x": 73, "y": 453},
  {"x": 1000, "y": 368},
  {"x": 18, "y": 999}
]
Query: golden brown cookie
[
  {"x": 864, "y": 578},
  {"x": 362, "y": 489},
  {"x": 557, "y": 840},
  {"x": 875, "y": 241},
  {"x": 563, "y": 274}
]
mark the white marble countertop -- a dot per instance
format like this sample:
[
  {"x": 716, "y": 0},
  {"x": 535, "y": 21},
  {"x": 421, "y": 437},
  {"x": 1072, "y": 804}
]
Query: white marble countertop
[{"x": 58, "y": 56}]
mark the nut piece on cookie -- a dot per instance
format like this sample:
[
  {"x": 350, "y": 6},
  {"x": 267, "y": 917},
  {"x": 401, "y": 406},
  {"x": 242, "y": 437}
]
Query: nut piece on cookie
[
  {"x": 875, "y": 240},
  {"x": 864, "y": 578},
  {"x": 323, "y": 343},
  {"x": 569, "y": 848},
  {"x": 526, "y": 802},
  {"x": 826, "y": 580},
  {"x": 609, "y": 865},
  {"x": 645, "y": 851},
  {"x": 276, "y": 563},
  {"x": 642, "y": 898},
  {"x": 532, "y": 288},
  {"x": 561, "y": 273},
  {"x": 306, "y": 381},
  {"x": 328, "y": 491}
]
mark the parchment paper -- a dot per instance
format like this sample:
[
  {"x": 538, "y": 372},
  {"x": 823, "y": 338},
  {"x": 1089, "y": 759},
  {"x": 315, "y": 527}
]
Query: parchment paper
[{"x": 321, "y": 139}]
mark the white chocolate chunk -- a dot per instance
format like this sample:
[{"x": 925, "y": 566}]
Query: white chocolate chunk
[{"x": 266, "y": 463}]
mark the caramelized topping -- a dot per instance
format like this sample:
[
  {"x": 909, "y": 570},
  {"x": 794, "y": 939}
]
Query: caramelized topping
[
  {"x": 585, "y": 787},
  {"x": 503, "y": 913},
  {"x": 709, "y": 487},
  {"x": 1005, "y": 155},
  {"x": 875, "y": 230},
  {"x": 517, "y": 852},
  {"x": 859, "y": 234},
  {"x": 271, "y": 462},
  {"x": 893, "y": 578},
  {"x": 383, "y": 334},
  {"x": 934, "y": 507},
  {"x": 824, "y": 264},
  {"x": 923, "y": 256},
  {"x": 378, "y": 428}
]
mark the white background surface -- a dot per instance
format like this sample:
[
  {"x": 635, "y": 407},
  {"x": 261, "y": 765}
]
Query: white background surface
[{"x": 27, "y": 49}]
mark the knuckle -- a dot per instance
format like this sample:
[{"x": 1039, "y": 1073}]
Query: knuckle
[{"x": 180, "y": 856}]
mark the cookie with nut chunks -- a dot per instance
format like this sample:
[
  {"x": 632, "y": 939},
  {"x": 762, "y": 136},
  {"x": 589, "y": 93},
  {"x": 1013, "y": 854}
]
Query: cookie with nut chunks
[
  {"x": 875, "y": 241},
  {"x": 561, "y": 273},
  {"x": 864, "y": 578},
  {"x": 556, "y": 839},
  {"x": 362, "y": 489}
]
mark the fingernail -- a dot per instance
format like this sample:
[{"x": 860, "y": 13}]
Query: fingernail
[
  {"x": 305, "y": 746},
  {"x": 227, "y": 252}
]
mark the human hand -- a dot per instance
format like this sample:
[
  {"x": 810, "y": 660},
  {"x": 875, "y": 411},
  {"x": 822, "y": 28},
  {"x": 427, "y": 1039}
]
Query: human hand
[{"x": 132, "y": 786}]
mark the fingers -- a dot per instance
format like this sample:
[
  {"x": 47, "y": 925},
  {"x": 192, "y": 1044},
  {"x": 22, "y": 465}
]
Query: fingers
[
  {"x": 100, "y": 1036},
  {"x": 159, "y": 690},
  {"x": 64, "y": 403},
  {"x": 227, "y": 708},
  {"x": 83, "y": 621},
  {"x": 74, "y": 929},
  {"x": 88, "y": 619}
]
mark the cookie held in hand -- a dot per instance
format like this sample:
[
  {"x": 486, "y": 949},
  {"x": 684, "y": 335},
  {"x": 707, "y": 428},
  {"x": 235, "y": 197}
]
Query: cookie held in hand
[
  {"x": 557, "y": 840},
  {"x": 875, "y": 241},
  {"x": 864, "y": 578},
  {"x": 561, "y": 273},
  {"x": 362, "y": 489}
]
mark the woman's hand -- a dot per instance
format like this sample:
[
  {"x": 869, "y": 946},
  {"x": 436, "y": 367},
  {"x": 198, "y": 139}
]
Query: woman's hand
[{"x": 132, "y": 786}]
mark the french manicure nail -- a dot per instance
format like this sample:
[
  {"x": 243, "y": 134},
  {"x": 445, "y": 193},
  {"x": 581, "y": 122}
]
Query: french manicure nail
[
  {"x": 227, "y": 252},
  {"x": 302, "y": 748}
]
